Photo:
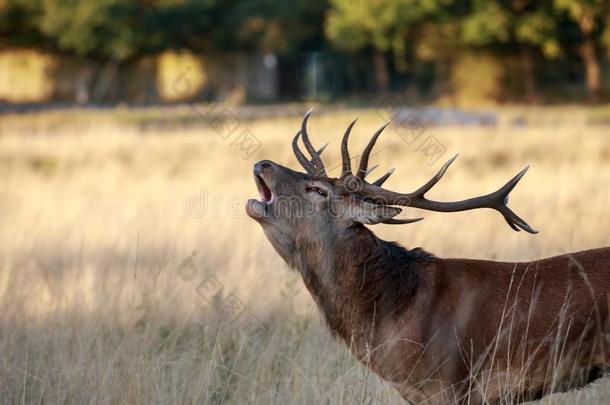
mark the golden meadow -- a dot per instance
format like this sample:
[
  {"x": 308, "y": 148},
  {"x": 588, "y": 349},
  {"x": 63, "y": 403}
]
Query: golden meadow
[{"x": 125, "y": 251}]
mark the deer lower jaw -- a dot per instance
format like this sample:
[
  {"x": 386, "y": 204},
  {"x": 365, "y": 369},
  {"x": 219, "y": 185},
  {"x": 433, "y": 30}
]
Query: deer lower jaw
[{"x": 256, "y": 209}]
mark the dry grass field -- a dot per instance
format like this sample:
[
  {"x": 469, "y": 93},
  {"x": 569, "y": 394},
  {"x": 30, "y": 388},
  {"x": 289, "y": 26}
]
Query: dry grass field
[{"x": 129, "y": 272}]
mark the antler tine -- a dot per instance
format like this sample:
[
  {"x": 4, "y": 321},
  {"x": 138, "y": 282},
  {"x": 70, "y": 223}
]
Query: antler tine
[
  {"x": 370, "y": 169},
  {"x": 432, "y": 182},
  {"x": 513, "y": 220},
  {"x": 496, "y": 200},
  {"x": 301, "y": 157},
  {"x": 315, "y": 157},
  {"x": 398, "y": 221},
  {"x": 379, "y": 182},
  {"x": 364, "y": 160},
  {"x": 346, "y": 164},
  {"x": 322, "y": 148}
]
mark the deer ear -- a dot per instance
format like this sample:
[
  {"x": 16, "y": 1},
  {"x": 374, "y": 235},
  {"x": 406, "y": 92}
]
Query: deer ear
[{"x": 370, "y": 214}]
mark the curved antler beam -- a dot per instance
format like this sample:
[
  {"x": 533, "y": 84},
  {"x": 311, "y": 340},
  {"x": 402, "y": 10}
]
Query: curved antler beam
[{"x": 496, "y": 200}]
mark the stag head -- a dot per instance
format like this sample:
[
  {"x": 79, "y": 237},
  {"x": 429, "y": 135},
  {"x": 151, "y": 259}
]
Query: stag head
[{"x": 304, "y": 206}]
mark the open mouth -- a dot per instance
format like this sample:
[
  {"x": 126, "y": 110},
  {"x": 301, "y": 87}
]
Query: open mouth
[
  {"x": 260, "y": 209},
  {"x": 267, "y": 195}
]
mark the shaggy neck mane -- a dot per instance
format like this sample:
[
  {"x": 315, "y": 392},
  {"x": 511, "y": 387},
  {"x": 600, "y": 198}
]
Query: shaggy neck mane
[{"x": 359, "y": 278}]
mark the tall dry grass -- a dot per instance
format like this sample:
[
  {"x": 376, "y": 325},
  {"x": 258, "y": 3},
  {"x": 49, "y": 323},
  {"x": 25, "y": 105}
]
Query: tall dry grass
[{"x": 110, "y": 232}]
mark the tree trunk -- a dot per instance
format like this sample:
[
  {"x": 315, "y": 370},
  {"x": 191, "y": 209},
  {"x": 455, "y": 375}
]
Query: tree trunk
[
  {"x": 382, "y": 78},
  {"x": 593, "y": 70},
  {"x": 529, "y": 78},
  {"x": 588, "y": 53},
  {"x": 104, "y": 80}
]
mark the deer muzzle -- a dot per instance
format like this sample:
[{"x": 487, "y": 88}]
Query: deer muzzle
[{"x": 258, "y": 209}]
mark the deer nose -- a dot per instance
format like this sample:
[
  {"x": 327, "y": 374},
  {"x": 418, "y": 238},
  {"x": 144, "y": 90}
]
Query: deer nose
[{"x": 263, "y": 166}]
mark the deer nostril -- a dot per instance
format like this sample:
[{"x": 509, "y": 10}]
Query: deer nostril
[{"x": 263, "y": 165}]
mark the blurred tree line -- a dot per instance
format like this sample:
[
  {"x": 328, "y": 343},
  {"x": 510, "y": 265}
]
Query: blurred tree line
[{"x": 397, "y": 35}]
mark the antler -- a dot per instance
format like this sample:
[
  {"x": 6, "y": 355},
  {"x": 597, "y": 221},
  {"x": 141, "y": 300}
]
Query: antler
[
  {"x": 497, "y": 200},
  {"x": 375, "y": 193},
  {"x": 346, "y": 165},
  {"x": 315, "y": 166}
]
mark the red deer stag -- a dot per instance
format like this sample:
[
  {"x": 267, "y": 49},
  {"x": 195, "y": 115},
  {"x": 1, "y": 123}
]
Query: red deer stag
[{"x": 439, "y": 330}]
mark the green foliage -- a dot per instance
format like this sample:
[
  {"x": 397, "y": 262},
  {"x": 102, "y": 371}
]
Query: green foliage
[
  {"x": 488, "y": 22},
  {"x": 539, "y": 28},
  {"x": 280, "y": 26},
  {"x": 384, "y": 25},
  {"x": 606, "y": 35},
  {"x": 497, "y": 23},
  {"x": 579, "y": 9},
  {"x": 121, "y": 29},
  {"x": 18, "y": 21},
  {"x": 86, "y": 27},
  {"x": 436, "y": 28},
  {"x": 591, "y": 16},
  {"x": 430, "y": 31},
  {"x": 124, "y": 28}
]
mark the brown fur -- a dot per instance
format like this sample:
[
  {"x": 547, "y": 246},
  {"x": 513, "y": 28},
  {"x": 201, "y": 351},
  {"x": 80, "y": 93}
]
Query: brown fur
[{"x": 433, "y": 324}]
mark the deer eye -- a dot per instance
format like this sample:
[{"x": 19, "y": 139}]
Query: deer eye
[{"x": 316, "y": 190}]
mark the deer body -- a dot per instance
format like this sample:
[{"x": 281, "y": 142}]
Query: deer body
[
  {"x": 440, "y": 330},
  {"x": 425, "y": 329}
]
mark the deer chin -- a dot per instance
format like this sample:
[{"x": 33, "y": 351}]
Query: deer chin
[{"x": 255, "y": 209}]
